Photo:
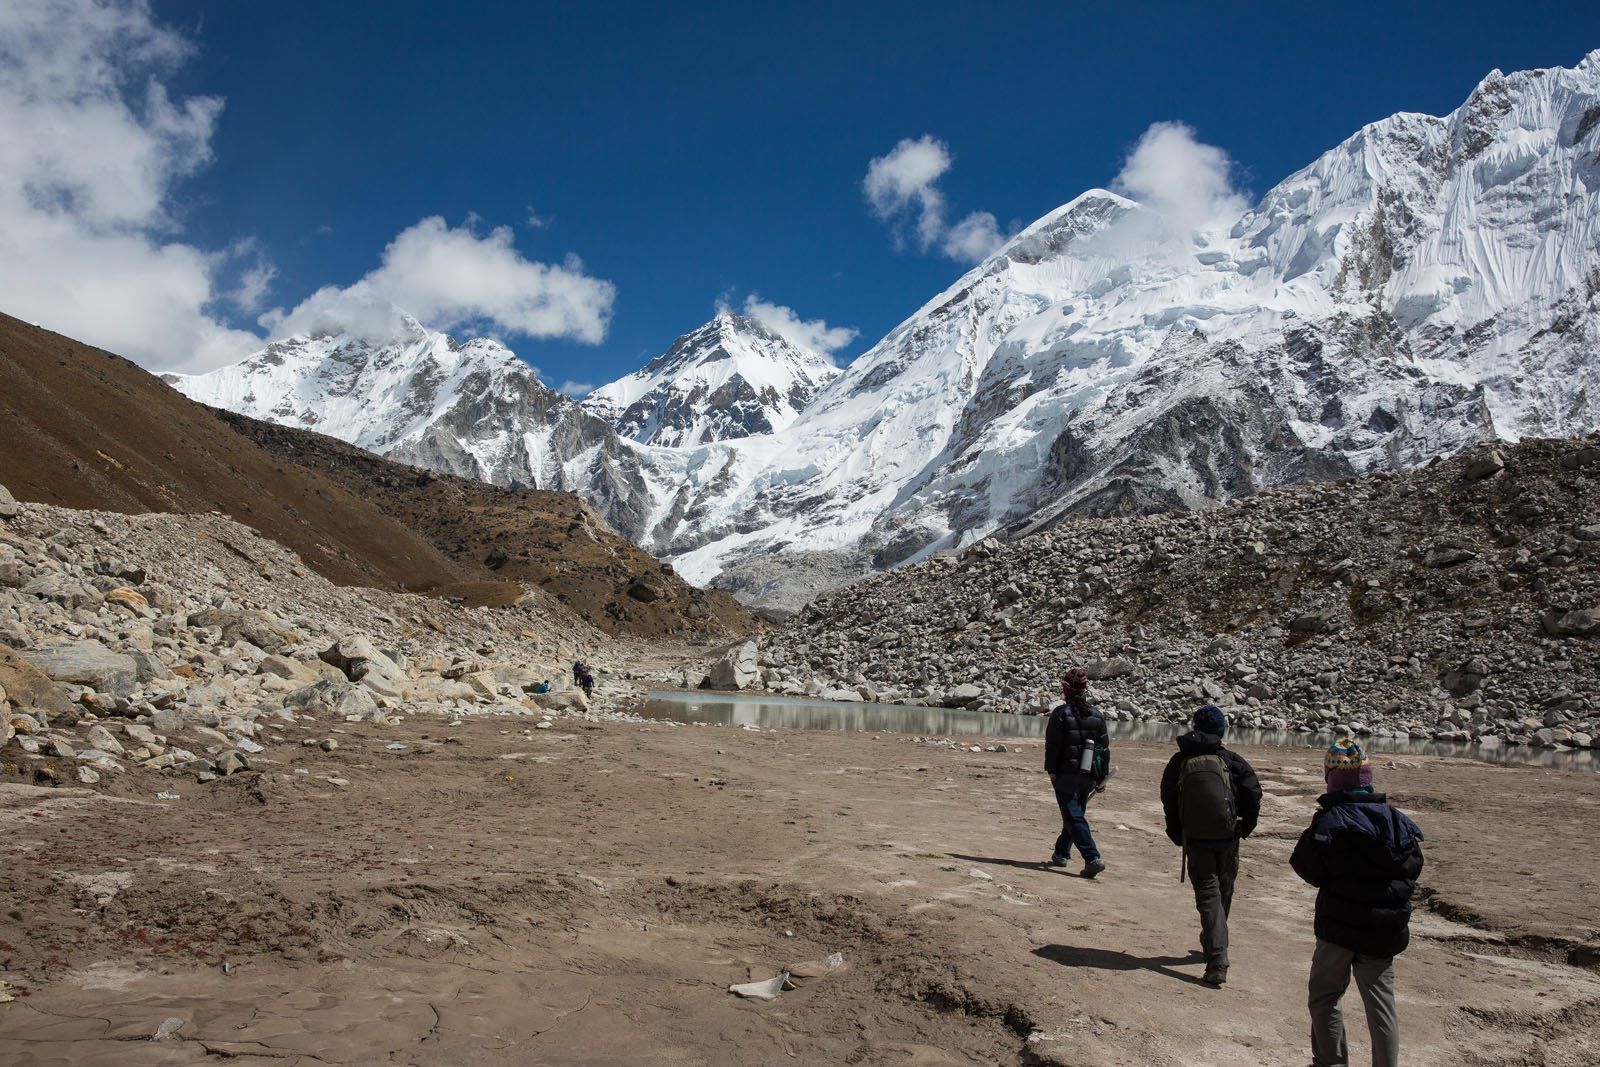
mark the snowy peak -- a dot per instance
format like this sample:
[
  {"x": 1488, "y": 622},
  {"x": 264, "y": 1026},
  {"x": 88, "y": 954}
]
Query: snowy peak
[
  {"x": 380, "y": 380},
  {"x": 1426, "y": 284},
  {"x": 375, "y": 389},
  {"x": 731, "y": 378}
]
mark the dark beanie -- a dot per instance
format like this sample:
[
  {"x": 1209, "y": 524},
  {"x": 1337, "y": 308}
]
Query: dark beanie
[{"x": 1210, "y": 720}]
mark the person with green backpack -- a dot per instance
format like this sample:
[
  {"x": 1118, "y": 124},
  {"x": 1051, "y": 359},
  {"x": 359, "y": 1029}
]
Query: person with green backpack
[{"x": 1212, "y": 801}]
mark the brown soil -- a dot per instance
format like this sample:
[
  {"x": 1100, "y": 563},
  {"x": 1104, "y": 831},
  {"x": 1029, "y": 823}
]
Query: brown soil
[
  {"x": 585, "y": 895},
  {"x": 553, "y": 540},
  {"x": 82, "y": 428}
]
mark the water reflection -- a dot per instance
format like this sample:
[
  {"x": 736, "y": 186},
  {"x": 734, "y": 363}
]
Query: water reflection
[{"x": 790, "y": 713}]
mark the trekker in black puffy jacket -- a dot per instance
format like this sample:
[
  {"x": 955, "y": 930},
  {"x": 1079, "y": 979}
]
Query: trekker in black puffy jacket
[
  {"x": 1364, "y": 856},
  {"x": 1074, "y": 725},
  {"x": 1212, "y": 801}
]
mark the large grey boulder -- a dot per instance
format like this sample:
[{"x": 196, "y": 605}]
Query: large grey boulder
[
  {"x": 1485, "y": 466},
  {"x": 89, "y": 663},
  {"x": 1101, "y": 670},
  {"x": 297, "y": 670},
  {"x": 963, "y": 695},
  {"x": 29, "y": 688},
  {"x": 562, "y": 700},
  {"x": 68, "y": 592},
  {"x": 258, "y": 628},
  {"x": 737, "y": 668},
  {"x": 9, "y": 508},
  {"x": 361, "y": 661},
  {"x": 1583, "y": 622},
  {"x": 342, "y": 699}
]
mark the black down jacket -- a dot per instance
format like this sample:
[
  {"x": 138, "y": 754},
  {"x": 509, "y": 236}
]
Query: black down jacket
[
  {"x": 1071, "y": 724},
  {"x": 1364, "y": 856}
]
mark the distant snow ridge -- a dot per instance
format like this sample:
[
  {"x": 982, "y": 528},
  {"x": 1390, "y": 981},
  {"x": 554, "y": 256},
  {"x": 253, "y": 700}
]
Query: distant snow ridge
[
  {"x": 730, "y": 378},
  {"x": 1424, "y": 285},
  {"x": 417, "y": 396}
]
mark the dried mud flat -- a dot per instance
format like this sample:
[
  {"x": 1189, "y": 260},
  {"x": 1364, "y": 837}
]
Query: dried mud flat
[{"x": 585, "y": 894}]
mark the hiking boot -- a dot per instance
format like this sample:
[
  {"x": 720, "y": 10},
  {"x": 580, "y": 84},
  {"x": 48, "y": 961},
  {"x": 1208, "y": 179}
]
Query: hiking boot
[
  {"x": 1057, "y": 860},
  {"x": 1215, "y": 976},
  {"x": 1093, "y": 867}
]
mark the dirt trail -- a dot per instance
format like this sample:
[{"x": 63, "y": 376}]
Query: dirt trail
[{"x": 584, "y": 895}]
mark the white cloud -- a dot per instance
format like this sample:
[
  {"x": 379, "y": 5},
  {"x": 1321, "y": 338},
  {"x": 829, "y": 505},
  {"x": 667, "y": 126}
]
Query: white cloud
[
  {"x": 536, "y": 221},
  {"x": 92, "y": 149},
  {"x": 255, "y": 280},
  {"x": 1188, "y": 182},
  {"x": 814, "y": 334},
  {"x": 900, "y": 185},
  {"x": 94, "y": 145},
  {"x": 576, "y": 390},
  {"x": 974, "y": 238},
  {"x": 903, "y": 191},
  {"x": 451, "y": 277}
]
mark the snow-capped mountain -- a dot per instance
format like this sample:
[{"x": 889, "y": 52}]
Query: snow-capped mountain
[
  {"x": 732, "y": 377},
  {"x": 1426, "y": 284},
  {"x": 417, "y": 396}
]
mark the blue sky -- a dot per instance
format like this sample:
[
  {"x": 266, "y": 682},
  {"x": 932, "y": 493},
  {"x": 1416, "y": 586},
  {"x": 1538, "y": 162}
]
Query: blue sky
[{"x": 687, "y": 156}]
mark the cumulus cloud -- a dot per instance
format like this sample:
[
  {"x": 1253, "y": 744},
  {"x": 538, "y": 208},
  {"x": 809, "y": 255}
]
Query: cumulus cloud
[
  {"x": 249, "y": 295},
  {"x": 902, "y": 188},
  {"x": 93, "y": 149},
  {"x": 814, "y": 334},
  {"x": 576, "y": 390},
  {"x": 94, "y": 146},
  {"x": 1190, "y": 183},
  {"x": 974, "y": 238},
  {"x": 452, "y": 276}
]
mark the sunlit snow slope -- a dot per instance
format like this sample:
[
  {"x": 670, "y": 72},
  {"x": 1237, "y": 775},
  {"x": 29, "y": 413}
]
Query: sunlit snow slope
[{"x": 1428, "y": 283}]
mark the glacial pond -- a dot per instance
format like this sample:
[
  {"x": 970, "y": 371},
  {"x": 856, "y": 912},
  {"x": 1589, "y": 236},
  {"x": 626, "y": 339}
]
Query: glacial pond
[{"x": 793, "y": 713}]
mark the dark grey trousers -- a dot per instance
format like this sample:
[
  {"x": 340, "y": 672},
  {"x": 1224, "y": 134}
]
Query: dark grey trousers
[
  {"x": 1213, "y": 872},
  {"x": 1331, "y": 968}
]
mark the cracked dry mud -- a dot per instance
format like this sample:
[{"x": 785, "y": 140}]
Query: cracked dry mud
[{"x": 585, "y": 895}]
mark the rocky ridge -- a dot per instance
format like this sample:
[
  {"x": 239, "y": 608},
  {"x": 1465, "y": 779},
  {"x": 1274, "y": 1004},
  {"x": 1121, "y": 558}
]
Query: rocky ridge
[
  {"x": 1459, "y": 601},
  {"x": 191, "y": 645}
]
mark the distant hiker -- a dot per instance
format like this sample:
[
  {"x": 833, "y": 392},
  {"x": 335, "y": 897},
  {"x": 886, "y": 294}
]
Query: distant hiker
[
  {"x": 542, "y": 687},
  {"x": 585, "y": 680},
  {"x": 1212, "y": 801},
  {"x": 1364, "y": 857},
  {"x": 1077, "y": 756},
  {"x": 577, "y": 672}
]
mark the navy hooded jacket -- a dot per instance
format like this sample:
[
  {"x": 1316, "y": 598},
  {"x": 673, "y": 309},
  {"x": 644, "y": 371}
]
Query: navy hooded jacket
[{"x": 1364, "y": 856}]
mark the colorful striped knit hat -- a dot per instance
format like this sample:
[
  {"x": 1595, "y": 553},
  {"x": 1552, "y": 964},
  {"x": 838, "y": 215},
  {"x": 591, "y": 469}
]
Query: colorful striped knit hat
[{"x": 1346, "y": 766}]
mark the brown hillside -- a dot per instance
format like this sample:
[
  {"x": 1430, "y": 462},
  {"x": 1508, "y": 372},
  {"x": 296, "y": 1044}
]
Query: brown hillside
[
  {"x": 82, "y": 428},
  {"x": 497, "y": 535}
]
